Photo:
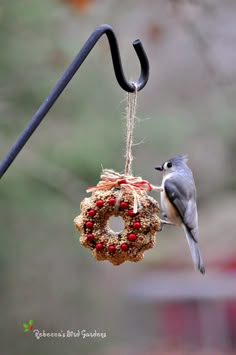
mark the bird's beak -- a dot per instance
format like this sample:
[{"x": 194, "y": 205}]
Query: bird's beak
[{"x": 160, "y": 168}]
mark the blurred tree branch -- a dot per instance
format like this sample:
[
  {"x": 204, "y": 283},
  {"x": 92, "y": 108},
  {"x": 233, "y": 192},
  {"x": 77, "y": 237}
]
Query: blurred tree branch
[{"x": 202, "y": 45}]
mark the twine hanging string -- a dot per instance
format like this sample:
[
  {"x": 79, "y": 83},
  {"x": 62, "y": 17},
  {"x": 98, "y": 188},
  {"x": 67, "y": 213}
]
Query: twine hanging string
[
  {"x": 130, "y": 119},
  {"x": 110, "y": 178}
]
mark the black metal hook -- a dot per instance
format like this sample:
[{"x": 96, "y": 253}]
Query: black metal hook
[{"x": 67, "y": 76}]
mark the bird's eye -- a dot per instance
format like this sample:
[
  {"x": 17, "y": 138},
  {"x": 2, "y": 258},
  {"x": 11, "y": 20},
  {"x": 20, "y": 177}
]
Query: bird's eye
[{"x": 169, "y": 165}]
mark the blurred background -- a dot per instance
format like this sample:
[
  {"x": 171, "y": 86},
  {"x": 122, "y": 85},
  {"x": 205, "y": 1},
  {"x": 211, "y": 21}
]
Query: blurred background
[{"x": 160, "y": 305}]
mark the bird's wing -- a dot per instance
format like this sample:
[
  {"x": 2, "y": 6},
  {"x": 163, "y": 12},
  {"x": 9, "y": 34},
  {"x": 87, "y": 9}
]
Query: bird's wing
[{"x": 184, "y": 201}]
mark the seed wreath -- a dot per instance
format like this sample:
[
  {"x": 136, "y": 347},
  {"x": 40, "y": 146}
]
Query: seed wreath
[{"x": 140, "y": 227}]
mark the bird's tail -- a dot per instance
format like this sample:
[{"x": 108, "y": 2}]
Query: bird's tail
[{"x": 195, "y": 252}]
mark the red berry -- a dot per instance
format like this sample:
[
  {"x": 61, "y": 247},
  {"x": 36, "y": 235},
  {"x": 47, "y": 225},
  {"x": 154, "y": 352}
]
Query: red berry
[
  {"x": 124, "y": 247},
  {"x": 90, "y": 237},
  {"x": 124, "y": 205},
  {"x": 30, "y": 327},
  {"x": 89, "y": 224},
  {"x": 99, "y": 246},
  {"x": 91, "y": 213},
  {"x": 111, "y": 201},
  {"x": 111, "y": 248},
  {"x": 131, "y": 213},
  {"x": 99, "y": 203},
  {"x": 136, "y": 225},
  {"x": 132, "y": 237}
]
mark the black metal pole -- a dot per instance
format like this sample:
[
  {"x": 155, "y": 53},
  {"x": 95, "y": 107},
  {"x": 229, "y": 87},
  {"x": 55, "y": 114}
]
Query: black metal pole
[{"x": 67, "y": 76}]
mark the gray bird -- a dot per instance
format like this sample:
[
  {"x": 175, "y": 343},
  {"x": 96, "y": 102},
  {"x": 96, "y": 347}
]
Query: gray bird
[{"x": 178, "y": 202}]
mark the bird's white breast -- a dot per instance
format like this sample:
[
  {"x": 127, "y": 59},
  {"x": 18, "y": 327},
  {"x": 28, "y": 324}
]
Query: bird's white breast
[{"x": 167, "y": 207}]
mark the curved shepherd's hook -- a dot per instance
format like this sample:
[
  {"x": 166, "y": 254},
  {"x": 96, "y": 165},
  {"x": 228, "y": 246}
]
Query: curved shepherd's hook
[{"x": 67, "y": 76}]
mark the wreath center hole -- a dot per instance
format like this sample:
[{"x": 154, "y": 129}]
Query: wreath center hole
[{"x": 116, "y": 224}]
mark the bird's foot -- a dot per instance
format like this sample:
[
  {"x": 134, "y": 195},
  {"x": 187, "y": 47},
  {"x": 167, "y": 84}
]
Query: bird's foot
[{"x": 164, "y": 222}]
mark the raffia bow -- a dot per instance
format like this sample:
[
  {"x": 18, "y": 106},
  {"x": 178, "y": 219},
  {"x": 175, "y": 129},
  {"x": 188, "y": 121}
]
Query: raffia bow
[{"x": 111, "y": 179}]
